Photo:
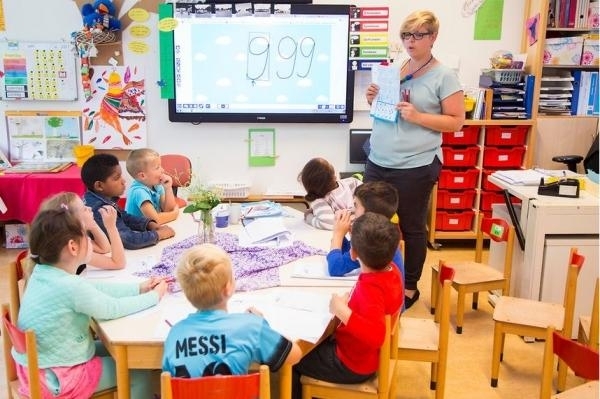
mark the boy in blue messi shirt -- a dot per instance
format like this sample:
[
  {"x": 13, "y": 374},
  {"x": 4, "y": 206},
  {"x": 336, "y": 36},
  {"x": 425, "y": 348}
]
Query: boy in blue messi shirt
[
  {"x": 212, "y": 341},
  {"x": 104, "y": 181},
  {"x": 377, "y": 197}
]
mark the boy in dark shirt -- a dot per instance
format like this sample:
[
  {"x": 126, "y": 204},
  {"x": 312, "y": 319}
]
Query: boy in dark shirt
[{"x": 104, "y": 182}]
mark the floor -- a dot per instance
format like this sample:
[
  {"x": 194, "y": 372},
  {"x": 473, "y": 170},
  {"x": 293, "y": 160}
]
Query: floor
[{"x": 469, "y": 357}]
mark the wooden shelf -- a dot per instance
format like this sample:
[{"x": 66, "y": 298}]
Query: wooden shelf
[{"x": 586, "y": 67}]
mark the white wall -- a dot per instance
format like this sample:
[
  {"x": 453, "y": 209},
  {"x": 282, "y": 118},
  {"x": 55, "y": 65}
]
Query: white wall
[{"x": 219, "y": 151}]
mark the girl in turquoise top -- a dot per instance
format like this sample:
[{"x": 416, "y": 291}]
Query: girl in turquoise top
[
  {"x": 57, "y": 305},
  {"x": 407, "y": 153}
]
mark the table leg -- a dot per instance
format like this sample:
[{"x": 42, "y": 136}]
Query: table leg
[
  {"x": 285, "y": 382},
  {"x": 120, "y": 355}
]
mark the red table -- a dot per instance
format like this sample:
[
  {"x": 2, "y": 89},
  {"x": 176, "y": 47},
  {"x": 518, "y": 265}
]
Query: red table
[{"x": 24, "y": 192}]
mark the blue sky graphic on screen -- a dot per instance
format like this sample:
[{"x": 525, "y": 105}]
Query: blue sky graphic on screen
[{"x": 279, "y": 68}]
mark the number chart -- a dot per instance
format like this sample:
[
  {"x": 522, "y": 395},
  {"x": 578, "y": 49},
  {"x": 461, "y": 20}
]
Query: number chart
[{"x": 37, "y": 71}]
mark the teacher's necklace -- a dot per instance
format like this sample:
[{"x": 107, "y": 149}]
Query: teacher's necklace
[{"x": 411, "y": 75}]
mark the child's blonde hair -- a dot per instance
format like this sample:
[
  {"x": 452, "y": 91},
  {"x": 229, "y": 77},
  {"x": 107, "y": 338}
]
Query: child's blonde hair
[
  {"x": 58, "y": 201},
  {"x": 138, "y": 160},
  {"x": 203, "y": 272}
]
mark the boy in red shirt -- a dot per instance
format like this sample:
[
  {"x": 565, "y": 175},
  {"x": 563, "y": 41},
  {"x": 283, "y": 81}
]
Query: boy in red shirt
[{"x": 351, "y": 354}]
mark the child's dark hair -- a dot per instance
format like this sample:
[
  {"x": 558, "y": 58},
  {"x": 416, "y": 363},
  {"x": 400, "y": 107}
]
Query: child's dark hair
[
  {"x": 379, "y": 197},
  {"x": 318, "y": 178},
  {"x": 98, "y": 168},
  {"x": 375, "y": 240},
  {"x": 50, "y": 231}
]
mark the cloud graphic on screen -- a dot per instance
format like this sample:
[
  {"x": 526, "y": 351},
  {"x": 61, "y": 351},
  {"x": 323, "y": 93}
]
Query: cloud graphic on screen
[
  {"x": 223, "y": 40},
  {"x": 321, "y": 57},
  {"x": 322, "y": 99},
  {"x": 223, "y": 82},
  {"x": 200, "y": 57},
  {"x": 241, "y": 98},
  {"x": 240, "y": 57},
  {"x": 281, "y": 99},
  {"x": 201, "y": 98}
]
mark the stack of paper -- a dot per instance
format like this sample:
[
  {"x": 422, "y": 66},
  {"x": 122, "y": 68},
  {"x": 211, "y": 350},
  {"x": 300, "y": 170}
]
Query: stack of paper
[
  {"x": 265, "y": 231},
  {"x": 261, "y": 209},
  {"x": 318, "y": 269},
  {"x": 530, "y": 177}
]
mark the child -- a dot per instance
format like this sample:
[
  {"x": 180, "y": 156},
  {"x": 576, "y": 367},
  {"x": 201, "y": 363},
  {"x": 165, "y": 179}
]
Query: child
[
  {"x": 379, "y": 197},
  {"x": 351, "y": 354},
  {"x": 212, "y": 341},
  {"x": 101, "y": 244},
  {"x": 101, "y": 174},
  {"x": 151, "y": 193},
  {"x": 325, "y": 193},
  {"x": 57, "y": 305}
]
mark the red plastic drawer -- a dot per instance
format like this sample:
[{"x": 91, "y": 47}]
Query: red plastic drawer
[
  {"x": 503, "y": 157},
  {"x": 455, "y": 199},
  {"x": 468, "y": 135},
  {"x": 490, "y": 197},
  {"x": 485, "y": 184},
  {"x": 460, "y": 157},
  {"x": 506, "y": 135},
  {"x": 454, "y": 221},
  {"x": 458, "y": 179}
]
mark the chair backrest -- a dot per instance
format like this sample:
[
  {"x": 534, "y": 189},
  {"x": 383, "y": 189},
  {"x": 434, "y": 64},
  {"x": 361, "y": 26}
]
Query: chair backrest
[
  {"x": 22, "y": 342},
  {"x": 498, "y": 230},
  {"x": 575, "y": 264},
  {"x": 179, "y": 167},
  {"x": 582, "y": 359},
  {"x": 16, "y": 275},
  {"x": 593, "y": 333},
  {"x": 387, "y": 353},
  {"x": 247, "y": 386}
]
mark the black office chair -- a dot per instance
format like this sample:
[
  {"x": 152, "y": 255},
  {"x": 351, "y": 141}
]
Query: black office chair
[{"x": 570, "y": 160}]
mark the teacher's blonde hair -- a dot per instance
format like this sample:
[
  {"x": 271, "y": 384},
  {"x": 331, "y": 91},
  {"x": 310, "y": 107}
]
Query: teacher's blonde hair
[
  {"x": 418, "y": 19},
  {"x": 203, "y": 273}
]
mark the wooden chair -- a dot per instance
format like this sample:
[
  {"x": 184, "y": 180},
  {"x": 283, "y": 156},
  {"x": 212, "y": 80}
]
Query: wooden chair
[
  {"x": 531, "y": 318},
  {"x": 582, "y": 359},
  {"x": 475, "y": 277},
  {"x": 247, "y": 386},
  {"x": 424, "y": 340},
  {"x": 24, "y": 342},
  {"x": 588, "y": 325},
  {"x": 16, "y": 283},
  {"x": 378, "y": 387},
  {"x": 179, "y": 167}
]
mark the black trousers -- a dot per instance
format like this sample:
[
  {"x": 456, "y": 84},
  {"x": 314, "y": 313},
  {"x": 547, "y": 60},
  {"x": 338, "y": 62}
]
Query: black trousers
[
  {"x": 323, "y": 363},
  {"x": 414, "y": 189}
]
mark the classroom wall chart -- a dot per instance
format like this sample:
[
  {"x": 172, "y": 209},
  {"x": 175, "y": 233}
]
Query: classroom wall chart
[{"x": 37, "y": 71}]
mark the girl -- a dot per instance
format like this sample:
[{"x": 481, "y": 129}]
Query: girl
[
  {"x": 58, "y": 305},
  {"x": 101, "y": 244},
  {"x": 325, "y": 193}
]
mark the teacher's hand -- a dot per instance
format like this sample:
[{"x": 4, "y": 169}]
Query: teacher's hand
[
  {"x": 408, "y": 112},
  {"x": 372, "y": 91}
]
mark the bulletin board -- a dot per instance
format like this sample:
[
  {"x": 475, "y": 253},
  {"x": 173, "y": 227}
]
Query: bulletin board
[{"x": 37, "y": 71}]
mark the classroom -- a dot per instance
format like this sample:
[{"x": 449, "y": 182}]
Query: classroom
[{"x": 263, "y": 156}]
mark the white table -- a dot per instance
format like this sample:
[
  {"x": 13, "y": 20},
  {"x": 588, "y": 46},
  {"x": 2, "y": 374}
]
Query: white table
[
  {"x": 132, "y": 341},
  {"x": 543, "y": 216}
]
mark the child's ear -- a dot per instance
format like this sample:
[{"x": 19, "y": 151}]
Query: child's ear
[
  {"x": 229, "y": 289},
  {"x": 98, "y": 186},
  {"x": 353, "y": 254}
]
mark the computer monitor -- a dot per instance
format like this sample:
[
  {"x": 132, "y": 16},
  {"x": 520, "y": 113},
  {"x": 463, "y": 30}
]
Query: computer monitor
[{"x": 359, "y": 145}]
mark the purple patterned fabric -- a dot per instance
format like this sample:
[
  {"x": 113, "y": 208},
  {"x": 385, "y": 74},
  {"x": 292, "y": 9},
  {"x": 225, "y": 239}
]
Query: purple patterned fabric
[{"x": 253, "y": 267}]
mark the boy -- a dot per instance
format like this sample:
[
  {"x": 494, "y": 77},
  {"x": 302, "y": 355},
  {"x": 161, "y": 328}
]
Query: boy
[
  {"x": 151, "y": 193},
  {"x": 379, "y": 197},
  {"x": 212, "y": 341},
  {"x": 103, "y": 179},
  {"x": 351, "y": 354}
]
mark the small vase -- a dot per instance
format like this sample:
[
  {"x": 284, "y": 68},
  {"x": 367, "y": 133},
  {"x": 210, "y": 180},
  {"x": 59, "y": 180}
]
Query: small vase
[{"x": 206, "y": 226}]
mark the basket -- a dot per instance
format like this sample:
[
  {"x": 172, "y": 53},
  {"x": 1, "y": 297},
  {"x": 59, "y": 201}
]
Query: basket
[
  {"x": 233, "y": 190},
  {"x": 101, "y": 37},
  {"x": 504, "y": 76}
]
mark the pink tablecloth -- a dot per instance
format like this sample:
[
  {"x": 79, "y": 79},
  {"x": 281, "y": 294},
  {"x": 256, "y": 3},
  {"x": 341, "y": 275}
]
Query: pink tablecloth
[{"x": 24, "y": 192}]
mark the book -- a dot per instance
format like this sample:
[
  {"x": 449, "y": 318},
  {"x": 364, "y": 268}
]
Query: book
[
  {"x": 265, "y": 230},
  {"x": 259, "y": 209},
  {"x": 38, "y": 167},
  {"x": 384, "y": 104}
]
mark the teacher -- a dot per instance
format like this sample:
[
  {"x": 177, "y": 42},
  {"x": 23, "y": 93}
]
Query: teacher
[{"x": 407, "y": 153}]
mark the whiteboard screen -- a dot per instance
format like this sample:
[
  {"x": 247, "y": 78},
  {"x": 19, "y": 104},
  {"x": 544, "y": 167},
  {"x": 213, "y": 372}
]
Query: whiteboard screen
[{"x": 37, "y": 71}]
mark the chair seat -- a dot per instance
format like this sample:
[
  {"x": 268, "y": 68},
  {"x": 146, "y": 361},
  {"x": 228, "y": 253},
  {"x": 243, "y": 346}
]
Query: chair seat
[
  {"x": 422, "y": 334},
  {"x": 528, "y": 312},
  {"x": 584, "y": 391},
  {"x": 369, "y": 386},
  {"x": 473, "y": 272}
]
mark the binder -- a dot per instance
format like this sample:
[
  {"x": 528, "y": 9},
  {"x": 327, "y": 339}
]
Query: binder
[
  {"x": 576, "y": 87},
  {"x": 529, "y": 94},
  {"x": 592, "y": 94}
]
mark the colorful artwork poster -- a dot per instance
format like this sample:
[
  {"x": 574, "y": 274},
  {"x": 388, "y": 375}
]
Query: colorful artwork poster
[
  {"x": 369, "y": 43},
  {"x": 115, "y": 115},
  {"x": 43, "y": 135}
]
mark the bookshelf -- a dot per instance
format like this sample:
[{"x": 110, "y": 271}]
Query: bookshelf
[{"x": 559, "y": 132}]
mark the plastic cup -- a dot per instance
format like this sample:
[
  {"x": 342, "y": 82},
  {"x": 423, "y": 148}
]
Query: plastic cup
[{"x": 235, "y": 213}]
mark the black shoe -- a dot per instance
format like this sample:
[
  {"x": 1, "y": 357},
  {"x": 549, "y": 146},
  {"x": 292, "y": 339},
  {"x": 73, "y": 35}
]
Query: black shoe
[{"x": 408, "y": 302}]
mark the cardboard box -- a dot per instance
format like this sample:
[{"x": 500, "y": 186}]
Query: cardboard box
[
  {"x": 589, "y": 56},
  {"x": 563, "y": 50},
  {"x": 17, "y": 236}
]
